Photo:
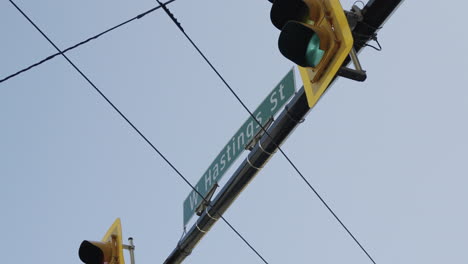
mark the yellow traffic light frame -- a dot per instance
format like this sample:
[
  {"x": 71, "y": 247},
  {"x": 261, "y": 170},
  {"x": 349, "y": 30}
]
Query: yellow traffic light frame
[
  {"x": 317, "y": 79},
  {"x": 114, "y": 236}
]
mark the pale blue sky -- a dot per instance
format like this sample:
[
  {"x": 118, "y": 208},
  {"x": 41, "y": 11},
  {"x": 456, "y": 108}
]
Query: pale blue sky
[{"x": 389, "y": 154}]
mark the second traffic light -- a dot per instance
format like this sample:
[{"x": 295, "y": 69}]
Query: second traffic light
[
  {"x": 107, "y": 251},
  {"x": 93, "y": 252},
  {"x": 316, "y": 36}
]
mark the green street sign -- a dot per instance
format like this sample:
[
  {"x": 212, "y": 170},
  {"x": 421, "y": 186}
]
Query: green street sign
[{"x": 232, "y": 150}]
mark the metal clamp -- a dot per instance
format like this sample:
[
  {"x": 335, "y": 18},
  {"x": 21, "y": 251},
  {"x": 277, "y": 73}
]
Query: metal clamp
[
  {"x": 357, "y": 74},
  {"x": 251, "y": 165},
  {"x": 292, "y": 118},
  {"x": 206, "y": 200},
  {"x": 199, "y": 229},
  {"x": 207, "y": 213},
  {"x": 264, "y": 151},
  {"x": 354, "y": 17},
  {"x": 251, "y": 144}
]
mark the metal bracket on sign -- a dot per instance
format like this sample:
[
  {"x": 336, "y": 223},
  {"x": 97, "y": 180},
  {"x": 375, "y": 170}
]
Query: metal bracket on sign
[
  {"x": 251, "y": 144},
  {"x": 203, "y": 205}
]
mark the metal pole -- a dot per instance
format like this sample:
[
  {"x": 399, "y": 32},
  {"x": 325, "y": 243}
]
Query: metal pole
[
  {"x": 375, "y": 13},
  {"x": 131, "y": 249},
  {"x": 355, "y": 59}
]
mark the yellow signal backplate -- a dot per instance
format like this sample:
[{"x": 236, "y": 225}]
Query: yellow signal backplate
[
  {"x": 336, "y": 23},
  {"x": 114, "y": 235}
]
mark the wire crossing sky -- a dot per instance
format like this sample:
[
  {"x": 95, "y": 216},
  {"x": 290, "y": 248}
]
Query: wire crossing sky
[
  {"x": 266, "y": 132},
  {"x": 82, "y": 42},
  {"x": 377, "y": 150},
  {"x": 123, "y": 116},
  {"x": 133, "y": 126}
]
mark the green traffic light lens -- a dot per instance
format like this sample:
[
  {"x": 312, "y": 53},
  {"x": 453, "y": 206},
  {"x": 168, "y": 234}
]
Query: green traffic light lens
[
  {"x": 313, "y": 52},
  {"x": 301, "y": 44}
]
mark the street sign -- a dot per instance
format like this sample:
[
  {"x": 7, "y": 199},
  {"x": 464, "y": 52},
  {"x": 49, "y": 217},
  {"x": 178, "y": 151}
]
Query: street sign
[{"x": 232, "y": 150}]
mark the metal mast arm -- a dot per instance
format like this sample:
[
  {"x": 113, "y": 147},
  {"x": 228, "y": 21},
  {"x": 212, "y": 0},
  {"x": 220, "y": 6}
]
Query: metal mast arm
[{"x": 375, "y": 13}]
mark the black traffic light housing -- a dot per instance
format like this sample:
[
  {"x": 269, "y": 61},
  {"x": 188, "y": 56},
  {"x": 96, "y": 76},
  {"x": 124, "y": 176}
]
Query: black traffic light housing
[{"x": 92, "y": 252}]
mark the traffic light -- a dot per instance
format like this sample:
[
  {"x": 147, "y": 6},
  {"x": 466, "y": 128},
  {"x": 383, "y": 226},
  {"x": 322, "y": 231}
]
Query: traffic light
[
  {"x": 108, "y": 251},
  {"x": 92, "y": 252},
  {"x": 316, "y": 36}
]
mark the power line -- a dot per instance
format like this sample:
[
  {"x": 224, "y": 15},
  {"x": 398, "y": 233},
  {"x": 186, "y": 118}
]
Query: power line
[
  {"x": 129, "y": 122},
  {"x": 252, "y": 115},
  {"x": 83, "y": 42}
]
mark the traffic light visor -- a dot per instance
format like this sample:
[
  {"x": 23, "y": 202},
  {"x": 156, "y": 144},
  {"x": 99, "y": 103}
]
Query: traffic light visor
[
  {"x": 283, "y": 11},
  {"x": 92, "y": 254},
  {"x": 300, "y": 44}
]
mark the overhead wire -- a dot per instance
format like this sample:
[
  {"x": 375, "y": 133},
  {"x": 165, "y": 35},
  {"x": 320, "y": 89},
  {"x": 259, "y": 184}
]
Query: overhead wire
[
  {"x": 83, "y": 42},
  {"x": 214, "y": 69},
  {"x": 130, "y": 123},
  {"x": 266, "y": 132}
]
